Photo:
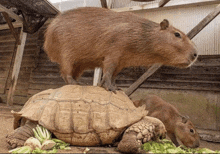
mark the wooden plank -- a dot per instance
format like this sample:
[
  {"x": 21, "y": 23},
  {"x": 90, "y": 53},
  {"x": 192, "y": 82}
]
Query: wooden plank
[
  {"x": 4, "y": 73},
  {"x": 7, "y": 39},
  {"x": 204, "y": 22},
  {"x": 47, "y": 81},
  {"x": 10, "y": 13},
  {"x": 104, "y": 3},
  {"x": 15, "y": 25},
  {"x": 177, "y": 86},
  {"x": 147, "y": 74},
  {"x": 16, "y": 68},
  {"x": 20, "y": 100},
  {"x": 7, "y": 48},
  {"x": 97, "y": 76},
  {"x": 14, "y": 33},
  {"x": 2, "y": 85},
  {"x": 44, "y": 86},
  {"x": 171, "y": 5},
  {"x": 6, "y": 44},
  {"x": 163, "y": 2}
]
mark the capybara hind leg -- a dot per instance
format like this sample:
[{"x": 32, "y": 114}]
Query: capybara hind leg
[
  {"x": 77, "y": 72},
  {"x": 68, "y": 79}
]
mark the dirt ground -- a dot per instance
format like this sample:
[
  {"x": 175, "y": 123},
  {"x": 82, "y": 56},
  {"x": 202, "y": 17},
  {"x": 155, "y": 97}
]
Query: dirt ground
[{"x": 6, "y": 126}]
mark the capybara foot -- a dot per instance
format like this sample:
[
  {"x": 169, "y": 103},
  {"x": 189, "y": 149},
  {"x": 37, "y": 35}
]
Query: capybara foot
[
  {"x": 109, "y": 87},
  {"x": 69, "y": 79},
  {"x": 106, "y": 83}
]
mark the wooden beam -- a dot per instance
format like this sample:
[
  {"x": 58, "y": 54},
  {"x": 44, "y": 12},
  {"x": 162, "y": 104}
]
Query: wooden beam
[
  {"x": 204, "y": 22},
  {"x": 172, "y": 4},
  {"x": 97, "y": 76},
  {"x": 16, "y": 68},
  {"x": 15, "y": 34},
  {"x": 139, "y": 81},
  {"x": 104, "y": 3},
  {"x": 163, "y": 2},
  {"x": 15, "y": 25},
  {"x": 10, "y": 13}
]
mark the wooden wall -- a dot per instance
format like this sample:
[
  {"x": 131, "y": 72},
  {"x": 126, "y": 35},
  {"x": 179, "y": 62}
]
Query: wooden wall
[
  {"x": 7, "y": 54},
  {"x": 38, "y": 73}
]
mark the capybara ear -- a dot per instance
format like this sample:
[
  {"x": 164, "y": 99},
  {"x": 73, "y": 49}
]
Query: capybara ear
[
  {"x": 184, "y": 119},
  {"x": 164, "y": 24}
]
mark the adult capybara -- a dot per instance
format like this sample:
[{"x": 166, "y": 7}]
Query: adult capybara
[
  {"x": 90, "y": 37},
  {"x": 177, "y": 126}
]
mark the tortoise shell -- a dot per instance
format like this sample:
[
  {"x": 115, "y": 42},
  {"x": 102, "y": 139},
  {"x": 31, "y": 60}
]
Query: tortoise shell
[{"x": 82, "y": 115}]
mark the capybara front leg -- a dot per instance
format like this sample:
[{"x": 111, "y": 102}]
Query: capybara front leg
[{"x": 173, "y": 138}]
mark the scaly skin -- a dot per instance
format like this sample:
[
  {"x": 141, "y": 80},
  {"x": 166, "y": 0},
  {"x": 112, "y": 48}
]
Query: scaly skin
[
  {"x": 145, "y": 130},
  {"x": 21, "y": 134}
]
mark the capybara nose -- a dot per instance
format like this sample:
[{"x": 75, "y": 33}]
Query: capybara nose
[
  {"x": 194, "y": 56},
  {"x": 197, "y": 144}
]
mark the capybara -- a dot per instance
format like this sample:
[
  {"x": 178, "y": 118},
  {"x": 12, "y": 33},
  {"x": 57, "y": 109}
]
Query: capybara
[
  {"x": 90, "y": 37},
  {"x": 177, "y": 126}
]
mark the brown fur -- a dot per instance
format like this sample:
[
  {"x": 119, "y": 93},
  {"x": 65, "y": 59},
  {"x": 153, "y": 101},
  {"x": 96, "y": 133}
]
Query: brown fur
[
  {"x": 86, "y": 38},
  {"x": 176, "y": 125}
]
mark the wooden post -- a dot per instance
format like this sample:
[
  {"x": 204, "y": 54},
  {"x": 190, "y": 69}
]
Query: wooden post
[
  {"x": 204, "y": 22},
  {"x": 97, "y": 76},
  {"x": 16, "y": 68},
  {"x": 163, "y": 2}
]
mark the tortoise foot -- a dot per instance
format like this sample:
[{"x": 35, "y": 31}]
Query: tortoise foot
[{"x": 141, "y": 132}]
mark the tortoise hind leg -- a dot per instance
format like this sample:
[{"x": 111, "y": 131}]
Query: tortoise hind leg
[
  {"x": 21, "y": 134},
  {"x": 147, "y": 129}
]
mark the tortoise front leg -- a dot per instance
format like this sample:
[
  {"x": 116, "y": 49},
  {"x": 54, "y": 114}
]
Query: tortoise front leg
[
  {"x": 21, "y": 134},
  {"x": 147, "y": 129},
  {"x": 129, "y": 143}
]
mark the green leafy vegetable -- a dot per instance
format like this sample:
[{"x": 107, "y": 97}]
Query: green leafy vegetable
[
  {"x": 166, "y": 146},
  {"x": 41, "y": 133},
  {"x": 61, "y": 145},
  {"x": 42, "y": 143},
  {"x": 24, "y": 149}
]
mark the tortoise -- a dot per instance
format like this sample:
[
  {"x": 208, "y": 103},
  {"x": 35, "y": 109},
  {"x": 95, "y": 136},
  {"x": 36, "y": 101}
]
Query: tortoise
[{"x": 86, "y": 116}]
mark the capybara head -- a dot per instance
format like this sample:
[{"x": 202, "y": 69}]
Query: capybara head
[
  {"x": 186, "y": 133},
  {"x": 173, "y": 47}
]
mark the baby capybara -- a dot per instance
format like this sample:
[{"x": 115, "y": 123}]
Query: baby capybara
[
  {"x": 177, "y": 126},
  {"x": 90, "y": 37}
]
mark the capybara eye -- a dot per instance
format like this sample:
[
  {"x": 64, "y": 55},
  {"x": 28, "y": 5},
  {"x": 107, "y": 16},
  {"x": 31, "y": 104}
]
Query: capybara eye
[
  {"x": 177, "y": 34},
  {"x": 191, "y": 130}
]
